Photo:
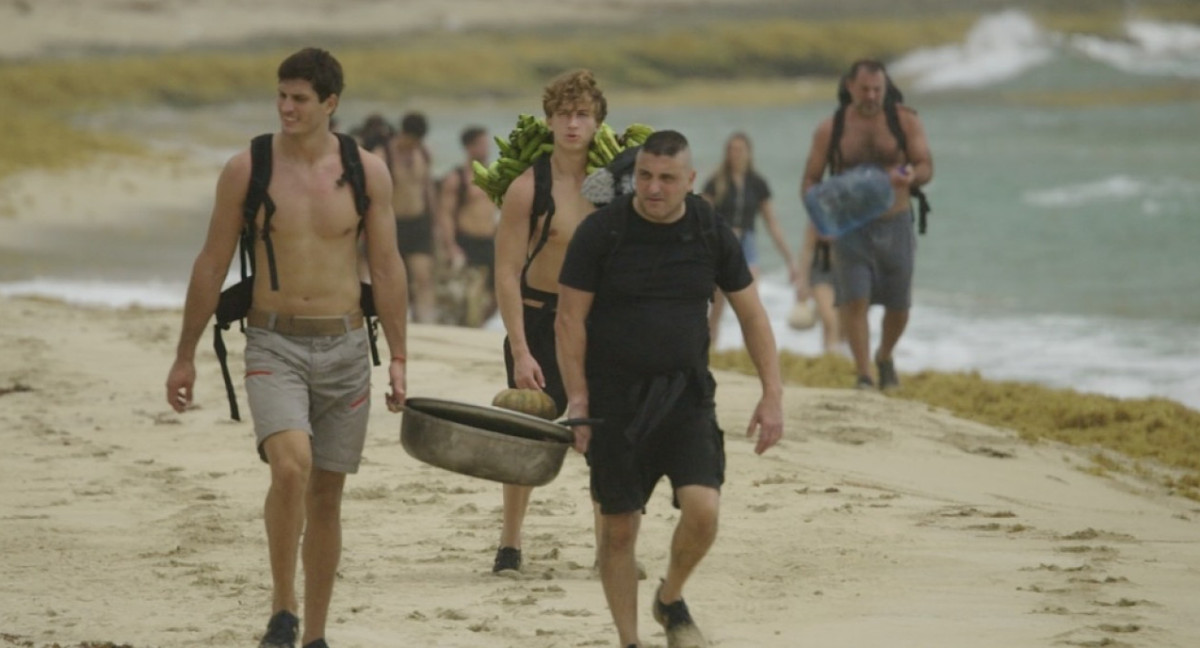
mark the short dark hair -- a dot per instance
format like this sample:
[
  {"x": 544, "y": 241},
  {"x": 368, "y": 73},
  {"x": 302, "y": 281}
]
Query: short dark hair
[
  {"x": 415, "y": 124},
  {"x": 471, "y": 133},
  {"x": 665, "y": 142},
  {"x": 316, "y": 66}
]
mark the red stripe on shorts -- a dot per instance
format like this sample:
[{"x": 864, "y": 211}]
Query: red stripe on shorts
[
  {"x": 360, "y": 400},
  {"x": 258, "y": 372}
]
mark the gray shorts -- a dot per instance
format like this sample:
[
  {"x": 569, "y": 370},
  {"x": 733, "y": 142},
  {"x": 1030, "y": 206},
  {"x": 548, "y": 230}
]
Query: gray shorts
[
  {"x": 876, "y": 262},
  {"x": 318, "y": 384}
]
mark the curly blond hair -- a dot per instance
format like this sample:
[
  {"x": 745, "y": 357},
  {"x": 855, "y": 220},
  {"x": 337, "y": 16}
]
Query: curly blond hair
[{"x": 574, "y": 88}]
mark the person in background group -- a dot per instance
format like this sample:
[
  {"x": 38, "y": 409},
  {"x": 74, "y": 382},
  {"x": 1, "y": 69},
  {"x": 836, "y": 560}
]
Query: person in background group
[
  {"x": 467, "y": 223},
  {"x": 412, "y": 199},
  {"x": 815, "y": 281},
  {"x": 374, "y": 134},
  {"x": 739, "y": 195},
  {"x": 874, "y": 264}
]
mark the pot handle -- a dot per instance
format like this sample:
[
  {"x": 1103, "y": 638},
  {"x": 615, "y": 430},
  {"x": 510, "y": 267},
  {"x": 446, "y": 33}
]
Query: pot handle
[{"x": 572, "y": 422}]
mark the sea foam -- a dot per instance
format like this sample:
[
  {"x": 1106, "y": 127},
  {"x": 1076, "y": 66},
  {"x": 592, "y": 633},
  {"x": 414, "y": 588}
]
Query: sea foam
[{"x": 1005, "y": 45}]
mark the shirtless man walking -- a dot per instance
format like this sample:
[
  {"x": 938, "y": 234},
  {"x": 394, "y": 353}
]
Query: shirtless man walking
[
  {"x": 467, "y": 223},
  {"x": 412, "y": 200},
  {"x": 531, "y": 243},
  {"x": 874, "y": 264},
  {"x": 309, "y": 425}
]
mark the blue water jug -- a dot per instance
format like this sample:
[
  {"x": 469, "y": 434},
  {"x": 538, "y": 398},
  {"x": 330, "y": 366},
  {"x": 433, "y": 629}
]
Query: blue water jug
[{"x": 849, "y": 200}]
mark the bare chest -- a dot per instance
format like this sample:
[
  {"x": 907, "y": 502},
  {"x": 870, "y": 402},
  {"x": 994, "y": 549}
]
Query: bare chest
[
  {"x": 311, "y": 203},
  {"x": 570, "y": 208},
  {"x": 870, "y": 143},
  {"x": 409, "y": 167}
]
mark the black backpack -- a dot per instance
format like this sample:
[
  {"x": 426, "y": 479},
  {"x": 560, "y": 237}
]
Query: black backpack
[
  {"x": 891, "y": 100},
  {"x": 460, "y": 196},
  {"x": 235, "y": 301},
  {"x": 543, "y": 199},
  {"x": 543, "y": 203},
  {"x": 705, "y": 225}
]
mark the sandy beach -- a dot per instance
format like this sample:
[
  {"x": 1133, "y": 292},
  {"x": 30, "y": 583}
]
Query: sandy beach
[{"x": 876, "y": 522}]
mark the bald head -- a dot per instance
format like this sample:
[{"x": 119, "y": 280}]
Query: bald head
[{"x": 663, "y": 177}]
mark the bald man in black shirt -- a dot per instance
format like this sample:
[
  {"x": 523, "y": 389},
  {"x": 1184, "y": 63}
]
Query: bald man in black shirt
[{"x": 632, "y": 333}]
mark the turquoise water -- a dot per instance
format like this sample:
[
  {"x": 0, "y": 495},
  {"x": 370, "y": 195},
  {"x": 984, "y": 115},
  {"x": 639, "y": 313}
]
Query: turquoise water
[{"x": 1063, "y": 245}]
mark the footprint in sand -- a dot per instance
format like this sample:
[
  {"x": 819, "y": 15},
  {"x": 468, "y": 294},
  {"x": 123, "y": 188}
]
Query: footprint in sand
[
  {"x": 1010, "y": 529},
  {"x": 853, "y": 435},
  {"x": 963, "y": 512},
  {"x": 775, "y": 480},
  {"x": 1092, "y": 534}
]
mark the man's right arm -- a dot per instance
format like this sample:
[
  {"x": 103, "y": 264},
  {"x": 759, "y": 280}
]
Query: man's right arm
[
  {"x": 814, "y": 166},
  {"x": 570, "y": 331},
  {"x": 512, "y": 240},
  {"x": 814, "y": 171},
  {"x": 208, "y": 273}
]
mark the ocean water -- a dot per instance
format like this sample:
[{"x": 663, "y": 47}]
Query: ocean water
[{"x": 1064, "y": 245}]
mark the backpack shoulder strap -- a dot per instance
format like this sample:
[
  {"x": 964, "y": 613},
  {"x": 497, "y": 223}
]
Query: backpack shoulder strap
[
  {"x": 543, "y": 203},
  {"x": 833, "y": 155},
  {"x": 463, "y": 186},
  {"x": 543, "y": 196},
  {"x": 256, "y": 197},
  {"x": 353, "y": 173},
  {"x": 618, "y": 212},
  {"x": 260, "y": 178},
  {"x": 891, "y": 110},
  {"x": 706, "y": 223}
]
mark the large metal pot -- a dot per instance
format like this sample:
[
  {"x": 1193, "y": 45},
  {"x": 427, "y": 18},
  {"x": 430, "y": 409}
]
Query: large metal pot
[{"x": 484, "y": 441}]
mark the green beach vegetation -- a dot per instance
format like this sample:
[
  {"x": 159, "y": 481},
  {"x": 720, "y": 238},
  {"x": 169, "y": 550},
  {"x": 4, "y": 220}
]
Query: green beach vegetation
[{"x": 1144, "y": 429}]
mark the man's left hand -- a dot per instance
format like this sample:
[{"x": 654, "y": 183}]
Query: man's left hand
[{"x": 901, "y": 176}]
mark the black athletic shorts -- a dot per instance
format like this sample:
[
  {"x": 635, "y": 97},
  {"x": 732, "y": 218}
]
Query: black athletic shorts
[
  {"x": 415, "y": 235},
  {"x": 687, "y": 447},
  {"x": 539, "y": 335},
  {"x": 479, "y": 250}
]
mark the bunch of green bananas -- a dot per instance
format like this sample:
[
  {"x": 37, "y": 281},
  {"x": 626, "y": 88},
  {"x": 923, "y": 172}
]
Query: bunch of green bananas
[
  {"x": 531, "y": 139},
  {"x": 636, "y": 135}
]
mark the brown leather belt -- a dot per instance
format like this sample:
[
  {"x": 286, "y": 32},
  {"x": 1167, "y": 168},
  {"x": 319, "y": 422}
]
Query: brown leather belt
[{"x": 302, "y": 326}]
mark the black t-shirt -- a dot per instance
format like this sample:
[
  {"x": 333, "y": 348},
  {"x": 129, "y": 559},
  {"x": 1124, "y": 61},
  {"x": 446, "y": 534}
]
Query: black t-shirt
[
  {"x": 739, "y": 207},
  {"x": 652, "y": 284}
]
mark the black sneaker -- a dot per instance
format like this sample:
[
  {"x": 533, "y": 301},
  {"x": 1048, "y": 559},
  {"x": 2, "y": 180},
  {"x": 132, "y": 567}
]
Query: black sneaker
[
  {"x": 864, "y": 382},
  {"x": 318, "y": 643},
  {"x": 281, "y": 631},
  {"x": 887, "y": 375},
  {"x": 508, "y": 559},
  {"x": 677, "y": 623}
]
